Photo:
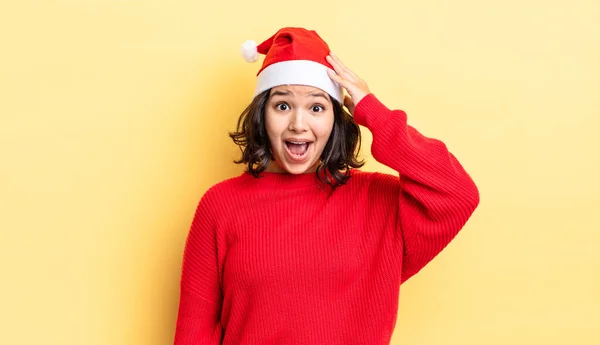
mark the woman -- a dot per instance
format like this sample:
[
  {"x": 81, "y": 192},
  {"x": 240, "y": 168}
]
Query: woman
[{"x": 302, "y": 248}]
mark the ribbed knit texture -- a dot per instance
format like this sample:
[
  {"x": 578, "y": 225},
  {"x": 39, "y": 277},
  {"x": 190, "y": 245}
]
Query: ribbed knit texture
[{"x": 285, "y": 259}]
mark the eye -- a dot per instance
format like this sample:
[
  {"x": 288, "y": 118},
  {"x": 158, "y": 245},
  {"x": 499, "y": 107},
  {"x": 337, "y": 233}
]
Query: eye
[
  {"x": 282, "y": 106},
  {"x": 317, "y": 108}
]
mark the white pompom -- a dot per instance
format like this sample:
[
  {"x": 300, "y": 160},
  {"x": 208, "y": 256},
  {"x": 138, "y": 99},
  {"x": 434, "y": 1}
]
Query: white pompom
[{"x": 249, "y": 51}]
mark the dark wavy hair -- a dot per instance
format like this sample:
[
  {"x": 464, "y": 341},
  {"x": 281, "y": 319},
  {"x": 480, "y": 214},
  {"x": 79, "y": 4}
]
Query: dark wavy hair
[{"x": 339, "y": 155}]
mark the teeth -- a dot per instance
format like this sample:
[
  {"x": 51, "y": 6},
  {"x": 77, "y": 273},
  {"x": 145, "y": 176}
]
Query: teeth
[{"x": 298, "y": 142}]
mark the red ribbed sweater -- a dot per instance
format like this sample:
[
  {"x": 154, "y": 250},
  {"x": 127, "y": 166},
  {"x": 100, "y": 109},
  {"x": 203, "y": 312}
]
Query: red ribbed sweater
[{"x": 284, "y": 259}]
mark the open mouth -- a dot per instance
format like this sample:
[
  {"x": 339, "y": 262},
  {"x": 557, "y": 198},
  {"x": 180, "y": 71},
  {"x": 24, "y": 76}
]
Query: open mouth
[{"x": 297, "y": 150}]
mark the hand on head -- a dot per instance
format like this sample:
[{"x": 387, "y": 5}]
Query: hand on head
[{"x": 355, "y": 86}]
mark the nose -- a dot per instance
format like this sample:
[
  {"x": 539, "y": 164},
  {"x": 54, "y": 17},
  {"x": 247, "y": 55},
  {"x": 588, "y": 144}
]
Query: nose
[{"x": 298, "y": 122}]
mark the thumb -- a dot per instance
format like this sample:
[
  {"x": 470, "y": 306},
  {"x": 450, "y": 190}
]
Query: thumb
[{"x": 349, "y": 103}]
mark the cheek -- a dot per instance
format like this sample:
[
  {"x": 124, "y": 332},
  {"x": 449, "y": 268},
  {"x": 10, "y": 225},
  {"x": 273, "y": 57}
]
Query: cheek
[
  {"x": 273, "y": 127},
  {"x": 324, "y": 127}
]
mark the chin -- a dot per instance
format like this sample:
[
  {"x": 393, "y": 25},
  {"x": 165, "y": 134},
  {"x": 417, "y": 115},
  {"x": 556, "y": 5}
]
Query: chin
[
  {"x": 299, "y": 171},
  {"x": 296, "y": 169}
]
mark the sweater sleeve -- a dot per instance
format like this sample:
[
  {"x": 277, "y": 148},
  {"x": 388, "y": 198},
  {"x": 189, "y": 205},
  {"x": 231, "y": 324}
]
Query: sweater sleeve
[
  {"x": 198, "y": 320},
  {"x": 437, "y": 196}
]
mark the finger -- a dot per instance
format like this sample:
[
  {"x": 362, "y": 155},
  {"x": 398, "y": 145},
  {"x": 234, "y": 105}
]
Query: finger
[
  {"x": 335, "y": 64},
  {"x": 333, "y": 75},
  {"x": 337, "y": 60},
  {"x": 342, "y": 73},
  {"x": 342, "y": 66},
  {"x": 349, "y": 103}
]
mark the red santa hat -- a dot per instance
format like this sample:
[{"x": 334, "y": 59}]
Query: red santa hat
[{"x": 293, "y": 56}]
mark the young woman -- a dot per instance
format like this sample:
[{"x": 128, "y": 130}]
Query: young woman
[{"x": 303, "y": 248}]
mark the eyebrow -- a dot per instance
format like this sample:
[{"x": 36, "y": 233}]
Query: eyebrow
[
  {"x": 282, "y": 93},
  {"x": 289, "y": 93}
]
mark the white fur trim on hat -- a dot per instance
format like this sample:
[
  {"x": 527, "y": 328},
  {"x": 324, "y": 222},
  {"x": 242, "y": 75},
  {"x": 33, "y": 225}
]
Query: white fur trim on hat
[{"x": 299, "y": 72}]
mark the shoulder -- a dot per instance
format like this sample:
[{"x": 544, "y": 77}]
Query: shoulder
[
  {"x": 377, "y": 193},
  {"x": 226, "y": 185},
  {"x": 219, "y": 193},
  {"x": 377, "y": 187},
  {"x": 377, "y": 180}
]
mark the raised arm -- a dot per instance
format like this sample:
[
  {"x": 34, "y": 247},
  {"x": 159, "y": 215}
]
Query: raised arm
[{"x": 437, "y": 196}]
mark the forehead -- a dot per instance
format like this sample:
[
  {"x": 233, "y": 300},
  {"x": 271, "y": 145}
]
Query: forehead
[{"x": 301, "y": 90}]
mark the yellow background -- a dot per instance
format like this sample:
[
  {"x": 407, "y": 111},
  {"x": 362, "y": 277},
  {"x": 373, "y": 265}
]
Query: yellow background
[{"x": 114, "y": 118}]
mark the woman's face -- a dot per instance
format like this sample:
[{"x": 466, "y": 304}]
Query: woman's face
[{"x": 299, "y": 120}]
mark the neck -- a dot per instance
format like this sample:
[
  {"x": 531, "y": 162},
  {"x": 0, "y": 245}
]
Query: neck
[{"x": 274, "y": 167}]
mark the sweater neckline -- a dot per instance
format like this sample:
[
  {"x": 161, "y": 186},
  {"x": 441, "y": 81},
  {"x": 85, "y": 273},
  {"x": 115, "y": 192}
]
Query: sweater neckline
[{"x": 284, "y": 180}]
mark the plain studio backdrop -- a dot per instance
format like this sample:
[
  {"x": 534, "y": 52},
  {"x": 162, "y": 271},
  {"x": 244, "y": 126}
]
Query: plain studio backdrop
[{"x": 114, "y": 118}]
